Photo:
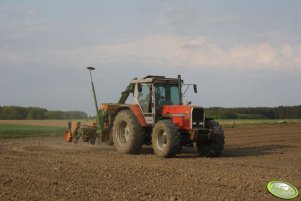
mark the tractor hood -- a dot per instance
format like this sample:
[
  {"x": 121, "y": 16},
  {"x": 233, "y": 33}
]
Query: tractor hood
[{"x": 186, "y": 117}]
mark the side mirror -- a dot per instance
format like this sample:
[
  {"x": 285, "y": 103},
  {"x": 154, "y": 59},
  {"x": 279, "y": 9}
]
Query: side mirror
[{"x": 195, "y": 88}]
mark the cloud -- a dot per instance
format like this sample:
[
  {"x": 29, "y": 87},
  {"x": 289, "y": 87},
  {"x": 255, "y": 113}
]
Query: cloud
[
  {"x": 175, "y": 15},
  {"x": 171, "y": 50},
  {"x": 202, "y": 52},
  {"x": 178, "y": 16}
]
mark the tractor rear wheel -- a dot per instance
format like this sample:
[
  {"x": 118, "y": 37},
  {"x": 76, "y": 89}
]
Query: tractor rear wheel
[
  {"x": 128, "y": 135},
  {"x": 215, "y": 146},
  {"x": 166, "y": 140}
]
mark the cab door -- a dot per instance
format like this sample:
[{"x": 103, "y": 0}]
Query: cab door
[{"x": 144, "y": 97}]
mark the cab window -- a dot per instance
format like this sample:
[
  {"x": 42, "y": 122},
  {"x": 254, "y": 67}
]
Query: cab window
[{"x": 144, "y": 97}]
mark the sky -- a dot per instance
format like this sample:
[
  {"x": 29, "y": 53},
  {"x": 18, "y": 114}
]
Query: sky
[{"x": 240, "y": 53}]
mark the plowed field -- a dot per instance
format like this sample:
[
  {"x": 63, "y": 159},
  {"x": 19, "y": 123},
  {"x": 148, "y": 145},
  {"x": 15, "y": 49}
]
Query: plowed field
[{"x": 47, "y": 168}]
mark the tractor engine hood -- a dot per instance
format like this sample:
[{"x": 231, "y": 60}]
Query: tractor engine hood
[{"x": 186, "y": 117}]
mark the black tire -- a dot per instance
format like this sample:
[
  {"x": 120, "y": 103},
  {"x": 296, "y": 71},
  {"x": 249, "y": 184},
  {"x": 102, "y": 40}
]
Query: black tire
[
  {"x": 128, "y": 135},
  {"x": 92, "y": 139},
  {"x": 214, "y": 147},
  {"x": 166, "y": 139}
]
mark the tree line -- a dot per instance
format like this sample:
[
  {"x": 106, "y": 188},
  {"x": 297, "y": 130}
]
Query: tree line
[
  {"x": 35, "y": 113},
  {"x": 280, "y": 112}
]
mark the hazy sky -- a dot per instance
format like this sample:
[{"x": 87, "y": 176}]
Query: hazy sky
[{"x": 239, "y": 52}]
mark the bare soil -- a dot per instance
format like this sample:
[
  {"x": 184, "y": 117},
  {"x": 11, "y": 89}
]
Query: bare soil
[{"x": 47, "y": 168}]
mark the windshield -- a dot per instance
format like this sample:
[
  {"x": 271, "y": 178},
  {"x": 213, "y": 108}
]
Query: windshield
[{"x": 167, "y": 94}]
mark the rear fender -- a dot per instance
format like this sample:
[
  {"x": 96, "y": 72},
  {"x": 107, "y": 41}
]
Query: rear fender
[
  {"x": 138, "y": 113},
  {"x": 135, "y": 109}
]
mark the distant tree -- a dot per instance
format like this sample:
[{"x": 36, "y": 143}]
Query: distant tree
[
  {"x": 281, "y": 112},
  {"x": 13, "y": 112},
  {"x": 19, "y": 113},
  {"x": 36, "y": 113}
]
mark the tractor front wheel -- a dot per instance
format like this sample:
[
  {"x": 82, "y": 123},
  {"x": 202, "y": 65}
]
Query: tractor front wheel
[
  {"x": 166, "y": 140},
  {"x": 215, "y": 146},
  {"x": 128, "y": 135}
]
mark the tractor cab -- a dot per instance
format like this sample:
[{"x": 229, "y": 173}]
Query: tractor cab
[{"x": 153, "y": 92}]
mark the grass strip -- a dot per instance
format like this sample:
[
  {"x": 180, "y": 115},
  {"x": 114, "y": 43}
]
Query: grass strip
[
  {"x": 232, "y": 123},
  {"x": 21, "y": 131}
]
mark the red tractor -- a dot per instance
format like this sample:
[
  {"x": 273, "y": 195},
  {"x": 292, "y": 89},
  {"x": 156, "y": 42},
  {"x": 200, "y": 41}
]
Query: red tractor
[{"x": 157, "y": 117}]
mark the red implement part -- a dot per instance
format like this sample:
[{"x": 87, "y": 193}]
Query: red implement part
[{"x": 68, "y": 136}]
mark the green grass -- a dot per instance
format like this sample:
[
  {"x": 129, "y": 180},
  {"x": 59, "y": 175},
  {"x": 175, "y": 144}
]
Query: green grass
[
  {"x": 23, "y": 130},
  {"x": 20, "y": 131},
  {"x": 243, "y": 122}
]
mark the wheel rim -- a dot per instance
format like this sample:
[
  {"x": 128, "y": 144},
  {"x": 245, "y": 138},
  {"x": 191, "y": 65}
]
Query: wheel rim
[
  {"x": 123, "y": 133},
  {"x": 161, "y": 140}
]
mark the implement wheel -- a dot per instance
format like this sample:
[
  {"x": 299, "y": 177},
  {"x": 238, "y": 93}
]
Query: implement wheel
[
  {"x": 166, "y": 140},
  {"x": 92, "y": 138},
  {"x": 128, "y": 135},
  {"x": 215, "y": 146}
]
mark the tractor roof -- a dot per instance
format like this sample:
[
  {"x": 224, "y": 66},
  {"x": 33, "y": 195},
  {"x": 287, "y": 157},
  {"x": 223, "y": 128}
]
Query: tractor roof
[
  {"x": 153, "y": 76},
  {"x": 156, "y": 79}
]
